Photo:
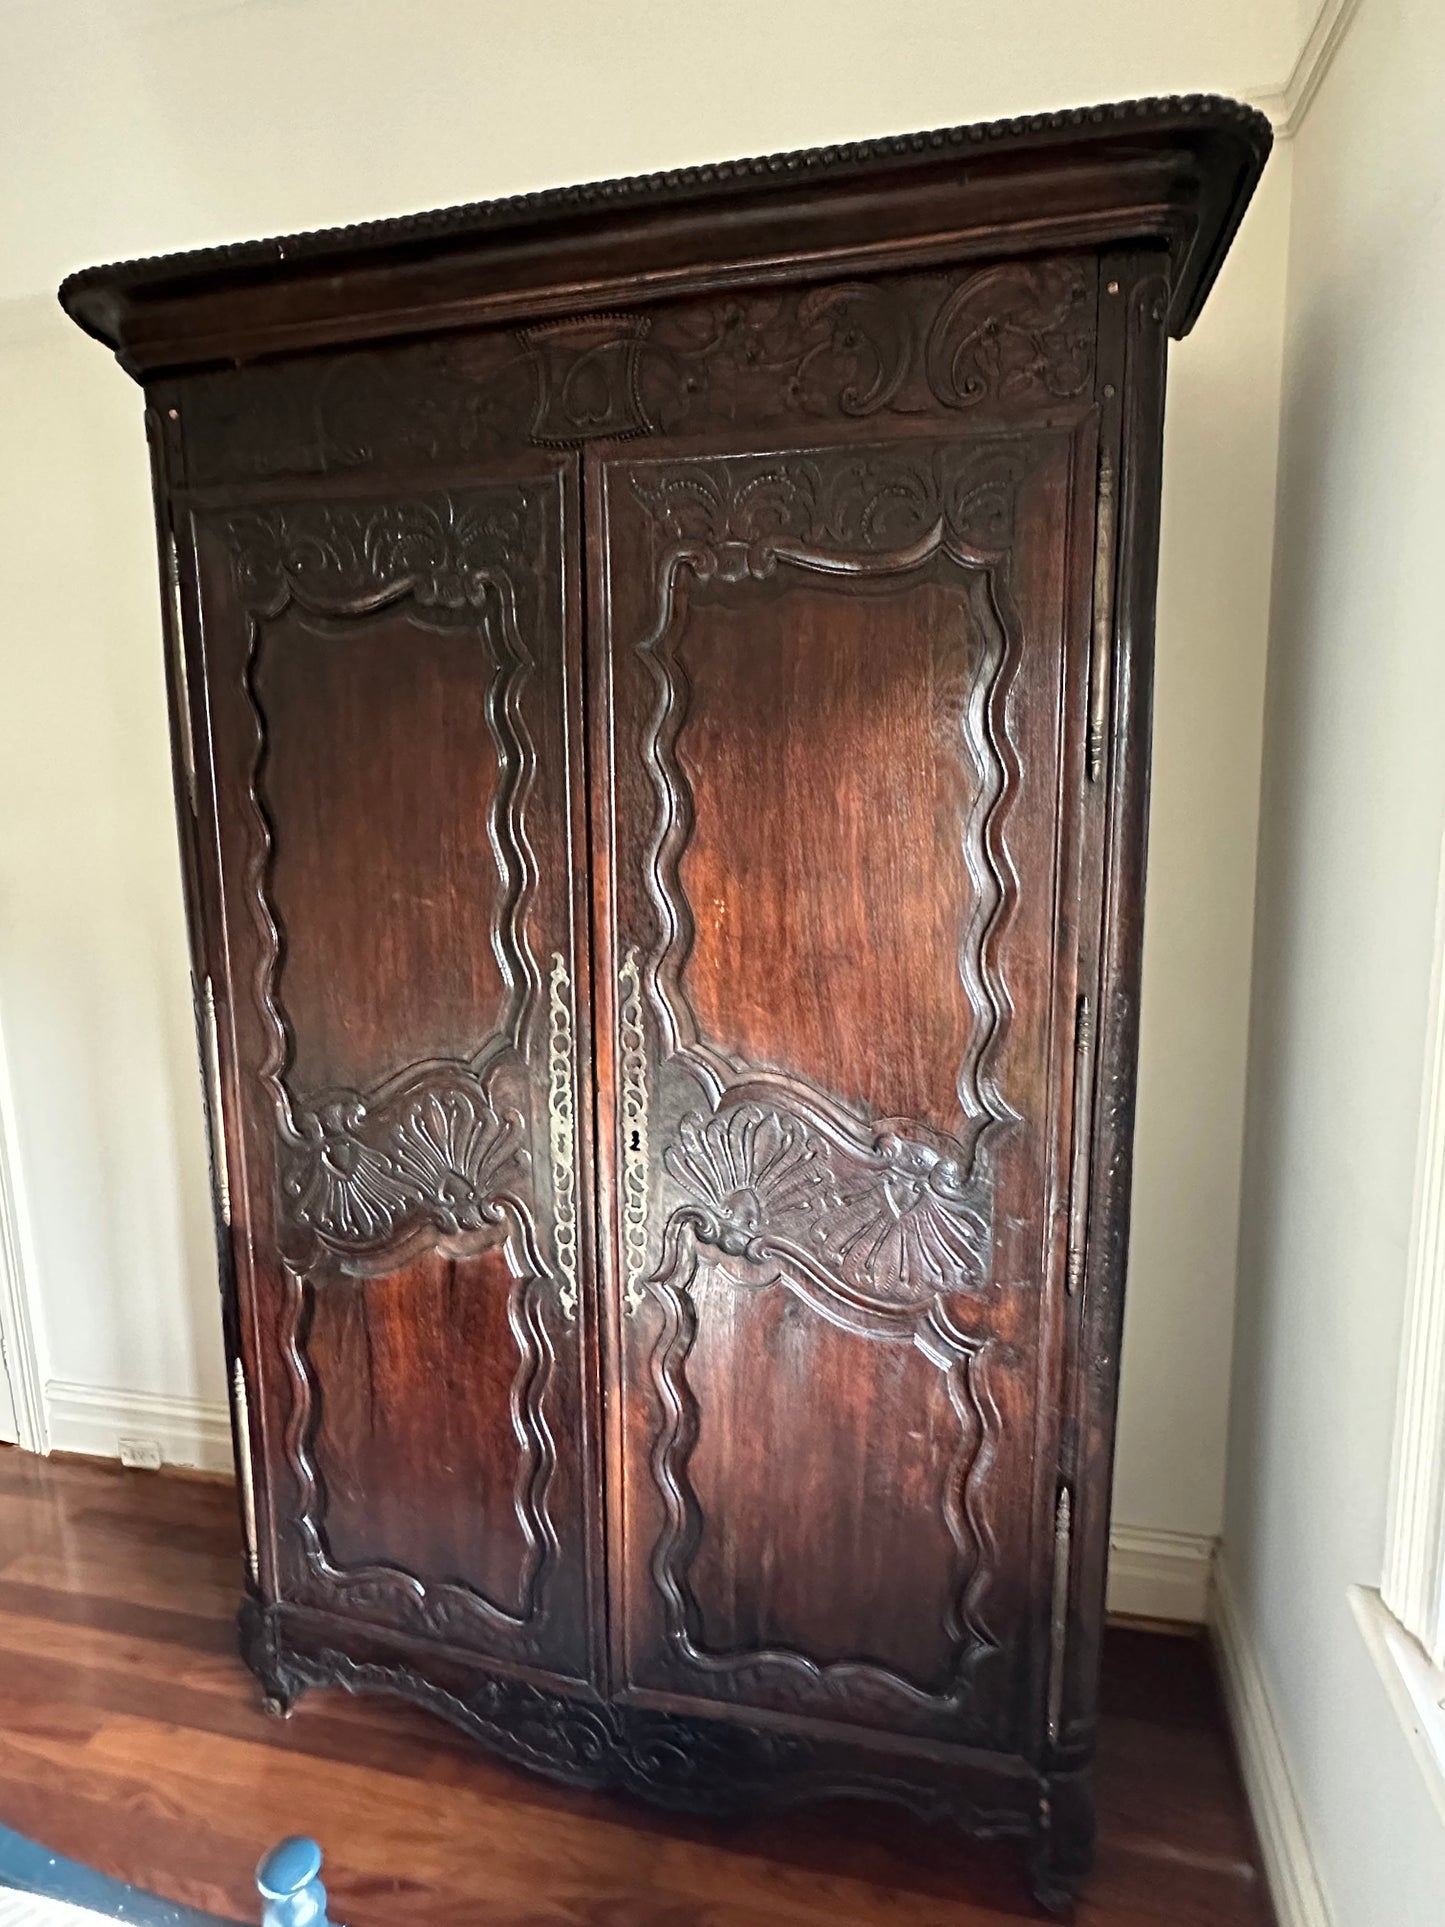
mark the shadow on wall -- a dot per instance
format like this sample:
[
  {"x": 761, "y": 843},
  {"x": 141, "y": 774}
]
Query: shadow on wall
[{"x": 1294, "y": 691}]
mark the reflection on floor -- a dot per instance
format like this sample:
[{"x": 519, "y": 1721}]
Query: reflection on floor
[{"x": 131, "y": 1737}]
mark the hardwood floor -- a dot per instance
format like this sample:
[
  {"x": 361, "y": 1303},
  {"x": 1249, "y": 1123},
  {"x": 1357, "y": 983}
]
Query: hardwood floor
[{"x": 131, "y": 1737}]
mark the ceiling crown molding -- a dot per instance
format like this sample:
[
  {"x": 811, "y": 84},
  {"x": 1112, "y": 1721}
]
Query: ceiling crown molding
[{"x": 1287, "y": 105}]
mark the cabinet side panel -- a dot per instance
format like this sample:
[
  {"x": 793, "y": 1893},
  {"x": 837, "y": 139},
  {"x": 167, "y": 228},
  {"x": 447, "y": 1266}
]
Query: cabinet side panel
[{"x": 1133, "y": 344}]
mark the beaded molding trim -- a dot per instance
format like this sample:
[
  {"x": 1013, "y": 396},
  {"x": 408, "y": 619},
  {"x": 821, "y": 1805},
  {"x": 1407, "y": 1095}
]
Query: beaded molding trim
[{"x": 1155, "y": 115}]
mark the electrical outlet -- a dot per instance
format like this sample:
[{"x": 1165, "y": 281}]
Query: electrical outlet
[{"x": 143, "y": 1454}]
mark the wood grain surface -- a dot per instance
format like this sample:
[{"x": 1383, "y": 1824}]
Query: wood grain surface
[{"x": 132, "y": 1737}]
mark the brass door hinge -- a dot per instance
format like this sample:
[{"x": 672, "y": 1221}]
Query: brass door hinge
[
  {"x": 176, "y": 626},
  {"x": 1059, "y": 1614},
  {"x": 211, "y": 1044},
  {"x": 243, "y": 1460},
  {"x": 1083, "y": 1124}
]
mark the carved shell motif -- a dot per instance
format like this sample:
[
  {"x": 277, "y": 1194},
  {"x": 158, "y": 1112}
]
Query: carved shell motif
[
  {"x": 754, "y": 1170},
  {"x": 906, "y": 1226},
  {"x": 895, "y": 1224},
  {"x": 437, "y": 1155}
]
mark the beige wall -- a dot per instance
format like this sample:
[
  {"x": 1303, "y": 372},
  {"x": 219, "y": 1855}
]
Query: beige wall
[
  {"x": 144, "y": 125},
  {"x": 1353, "y": 806},
  {"x": 1220, "y": 444},
  {"x": 140, "y": 127}
]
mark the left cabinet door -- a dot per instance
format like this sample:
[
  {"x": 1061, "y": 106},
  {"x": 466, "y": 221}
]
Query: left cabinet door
[{"x": 388, "y": 693}]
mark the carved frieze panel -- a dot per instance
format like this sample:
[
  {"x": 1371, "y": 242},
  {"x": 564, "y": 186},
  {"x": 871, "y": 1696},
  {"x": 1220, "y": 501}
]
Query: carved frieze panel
[
  {"x": 1007, "y": 337},
  {"x": 914, "y": 345},
  {"x": 438, "y": 402},
  {"x": 585, "y": 371}
]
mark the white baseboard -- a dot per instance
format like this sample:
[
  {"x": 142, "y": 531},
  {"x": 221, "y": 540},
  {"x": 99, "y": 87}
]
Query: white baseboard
[
  {"x": 1159, "y": 1575},
  {"x": 94, "y": 1419},
  {"x": 1289, "y": 1861}
]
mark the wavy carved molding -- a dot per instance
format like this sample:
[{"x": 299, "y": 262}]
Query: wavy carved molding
[
  {"x": 715, "y": 1767},
  {"x": 772, "y": 1261},
  {"x": 367, "y": 1175},
  {"x": 882, "y": 1226},
  {"x": 439, "y": 1155},
  {"x": 876, "y": 1241},
  {"x": 445, "y": 1610},
  {"x": 869, "y": 513}
]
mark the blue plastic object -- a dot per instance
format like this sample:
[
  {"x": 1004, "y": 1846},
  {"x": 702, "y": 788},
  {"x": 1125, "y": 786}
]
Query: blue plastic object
[
  {"x": 289, "y": 1880},
  {"x": 28, "y": 1868}
]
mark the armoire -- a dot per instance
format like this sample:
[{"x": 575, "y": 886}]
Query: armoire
[{"x": 660, "y": 685}]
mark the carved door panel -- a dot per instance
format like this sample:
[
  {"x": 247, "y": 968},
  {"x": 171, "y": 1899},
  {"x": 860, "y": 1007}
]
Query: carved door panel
[
  {"x": 389, "y": 675},
  {"x": 844, "y": 684}
]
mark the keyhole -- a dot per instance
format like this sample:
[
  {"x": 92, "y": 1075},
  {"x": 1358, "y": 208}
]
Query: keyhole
[{"x": 636, "y": 1141}]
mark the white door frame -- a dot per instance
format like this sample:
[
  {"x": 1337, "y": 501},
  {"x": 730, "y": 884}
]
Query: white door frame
[{"x": 20, "y": 1331}]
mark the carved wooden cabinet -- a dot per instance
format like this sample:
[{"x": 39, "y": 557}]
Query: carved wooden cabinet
[{"x": 660, "y": 684}]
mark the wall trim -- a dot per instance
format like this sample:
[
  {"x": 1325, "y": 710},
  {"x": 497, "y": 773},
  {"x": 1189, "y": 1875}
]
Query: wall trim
[
  {"x": 1159, "y": 1575},
  {"x": 20, "y": 1325},
  {"x": 94, "y": 1419},
  {"x": 1413, "y": 1585},
  {"x": 1289, "y": 1861},
  {"x": 1288, "y": 104},
  {"x": 1416, "y": 1686}
]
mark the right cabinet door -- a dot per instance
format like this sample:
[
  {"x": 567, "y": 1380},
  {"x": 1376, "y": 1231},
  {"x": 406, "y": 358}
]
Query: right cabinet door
[{"x": 840, "y": 687}]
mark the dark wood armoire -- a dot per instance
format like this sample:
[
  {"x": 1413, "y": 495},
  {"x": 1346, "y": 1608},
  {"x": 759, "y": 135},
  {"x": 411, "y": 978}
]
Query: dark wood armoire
[{"x": 660, "y": 682}]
